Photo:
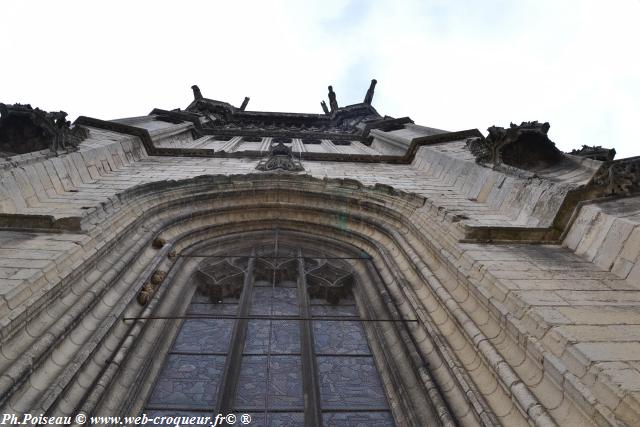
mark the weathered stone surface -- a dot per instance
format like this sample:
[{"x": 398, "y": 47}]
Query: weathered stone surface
[
  {"x": 541, "y": 328},
  {"x": 526, "y": 146}
]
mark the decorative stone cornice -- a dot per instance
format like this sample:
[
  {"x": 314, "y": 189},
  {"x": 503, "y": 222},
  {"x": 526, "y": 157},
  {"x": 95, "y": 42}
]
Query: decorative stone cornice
[
  {"x": 347, "y": 121},
  {"x": 24, "y": 129}
]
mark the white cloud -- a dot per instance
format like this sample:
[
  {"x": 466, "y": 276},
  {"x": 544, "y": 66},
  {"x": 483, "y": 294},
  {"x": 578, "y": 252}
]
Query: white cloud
[{"x": 453, "y": 65}]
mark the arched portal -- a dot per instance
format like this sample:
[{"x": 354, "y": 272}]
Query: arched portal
[{"x": 110, "y": 350}]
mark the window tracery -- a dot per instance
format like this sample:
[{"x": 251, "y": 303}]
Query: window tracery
[{"x": 259, "y": 339}]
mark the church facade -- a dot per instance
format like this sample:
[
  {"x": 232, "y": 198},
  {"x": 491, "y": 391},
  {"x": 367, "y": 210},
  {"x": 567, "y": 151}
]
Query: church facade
[{"x": 336, "y": 269}]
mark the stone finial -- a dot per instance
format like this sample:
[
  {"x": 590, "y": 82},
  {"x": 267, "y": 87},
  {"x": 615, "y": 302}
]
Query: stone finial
[
  {"x": 333, "y": 103},
  {"x": 368, "y": 98},
  {"x": 244, "y": 103},
  {"x": 196, "y": 92},
  {"x": 324, "y": 107}
]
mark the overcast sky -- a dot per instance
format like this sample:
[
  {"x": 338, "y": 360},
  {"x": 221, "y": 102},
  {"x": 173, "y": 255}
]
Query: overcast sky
[{"x": 448, "y": 64}]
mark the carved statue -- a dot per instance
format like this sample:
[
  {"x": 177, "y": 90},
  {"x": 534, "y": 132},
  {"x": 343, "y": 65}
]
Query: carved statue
[
  {"x": 524, "y": 146},
  {"x": 324, "y": 107},
  {"x": 196, "y": 92},
  {"x": 244, "y": 103},
  {"x": 333, "y": 103},
  {"x": 368, "y": 98}
]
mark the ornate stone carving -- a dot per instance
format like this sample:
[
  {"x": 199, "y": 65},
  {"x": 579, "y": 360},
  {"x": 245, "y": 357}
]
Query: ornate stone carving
[
  {"x": 481, "y": 149},
  {"x": 333, "y": 102},
  {"x": 221, "y": 280},
  {"x": 280, "y": 159},
  {"x": 145, "y": 294},
  {"x": 349, "y": 122},
  {"x": 595, "y": 152},
  {"x": 277, "y": 269},
  {"x": 150, "y": 287},
  {"x": 524, "y": 146},
  {"x": 330, "y": 282},
  {"x": 324, "y": 107},
  {"x": 196, "y": 92},
  {"x": 157, "y": 277},
  {"x": 244, "y": 103},
  {"x": 368, "y": 98},
  {"x": 619, "y": 178},
  {"x": 24, "y": 129}
]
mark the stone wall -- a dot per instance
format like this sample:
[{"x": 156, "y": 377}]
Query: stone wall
[{"x": 514, "y": 333}]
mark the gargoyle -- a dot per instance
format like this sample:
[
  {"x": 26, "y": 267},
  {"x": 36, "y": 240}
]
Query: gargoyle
[
  {"x": 525, "y": 146},
  {"x": 24, "y": 129}
]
